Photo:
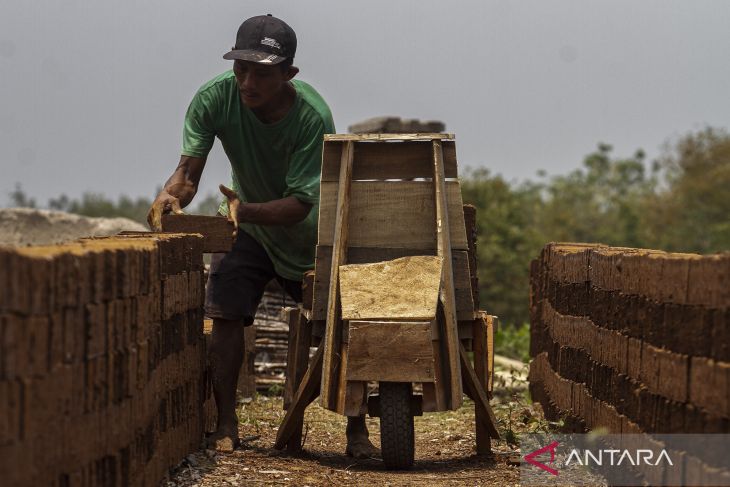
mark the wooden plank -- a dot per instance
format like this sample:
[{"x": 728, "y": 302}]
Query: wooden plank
[
  {"x": 481, "y": 358},
  {"x": 363, "y": 255},
  {"x": 392, "y": 214},
  {"x": 217, "y": 231},
  {"x": 471, "y": 383},
  {"x": 390, "y": 351},
  {"x": 450, "y": 337},
  {"x": 298, "y": 351},
  {"x": 247, "y": 374},
  {"x": 393, "y": 160},
  {"x": 362, "y": 137},
  {"x": 340, "y": 236},
  {"x": 308, "y": 288},
  {"x": 491, "y": 327},
  {"x": 341, "y": 371},
  {"x": 405, "y": 288},
  {"x": 441, "y": 397},
  {"x": 306, "y": 393},
  {"x": 429, "y": 403}
]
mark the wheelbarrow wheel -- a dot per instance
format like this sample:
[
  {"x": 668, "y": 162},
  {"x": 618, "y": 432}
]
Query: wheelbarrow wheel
[{"x": 396, "y": 425}]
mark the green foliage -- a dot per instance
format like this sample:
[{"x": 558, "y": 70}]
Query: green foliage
[
  {"x": 513, "y": 342},
  {"x": 19, "y": 199},
  {"x": 692, "y": 211}
]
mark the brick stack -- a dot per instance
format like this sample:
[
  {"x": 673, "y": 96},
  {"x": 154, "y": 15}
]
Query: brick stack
[
  {"x": 631, "y": 340},
  {"x": 102, "y": 360}
]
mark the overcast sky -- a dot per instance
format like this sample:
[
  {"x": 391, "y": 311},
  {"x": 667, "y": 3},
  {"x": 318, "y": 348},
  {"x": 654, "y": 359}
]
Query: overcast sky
[{"x": 93, "y": 93}]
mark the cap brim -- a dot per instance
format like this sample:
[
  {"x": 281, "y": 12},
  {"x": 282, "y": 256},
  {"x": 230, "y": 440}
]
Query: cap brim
[{"x": 254, "y": 56}]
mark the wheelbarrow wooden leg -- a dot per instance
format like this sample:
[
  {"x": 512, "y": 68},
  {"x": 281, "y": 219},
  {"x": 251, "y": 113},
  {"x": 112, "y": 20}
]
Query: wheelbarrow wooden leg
[
  {"x": 475, "y": 390},
  {"x": 307, "y": 392},
  {"x": 481, "y": 357},
  {"x": 300, "y": 339}
]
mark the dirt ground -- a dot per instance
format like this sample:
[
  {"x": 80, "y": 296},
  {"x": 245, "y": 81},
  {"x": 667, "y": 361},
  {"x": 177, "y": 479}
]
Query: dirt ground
[{"x": 445, "y": 449}]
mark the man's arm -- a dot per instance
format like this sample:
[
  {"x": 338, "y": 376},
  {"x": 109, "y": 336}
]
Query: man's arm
[
  {"x": 178, "y": 191},
  {"x": 284, "y": 211}
]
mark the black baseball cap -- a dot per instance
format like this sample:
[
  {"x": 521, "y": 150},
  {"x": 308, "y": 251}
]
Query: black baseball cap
[{"x": 264, "y": 39}]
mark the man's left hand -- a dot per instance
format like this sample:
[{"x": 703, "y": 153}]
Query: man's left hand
[{"x": 234, "y": 203}]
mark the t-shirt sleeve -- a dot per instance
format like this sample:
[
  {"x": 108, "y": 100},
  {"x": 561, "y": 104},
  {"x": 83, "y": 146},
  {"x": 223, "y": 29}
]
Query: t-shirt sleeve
[
  {"x": 305, "y": 165},
  {"x": 199, "y": 129}
]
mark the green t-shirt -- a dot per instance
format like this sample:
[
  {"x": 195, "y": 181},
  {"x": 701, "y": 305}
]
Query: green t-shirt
[{"x": 268, "y": 161}]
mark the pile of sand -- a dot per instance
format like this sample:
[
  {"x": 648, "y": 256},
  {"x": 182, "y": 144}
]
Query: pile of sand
[{"x": 28, "y": 226}]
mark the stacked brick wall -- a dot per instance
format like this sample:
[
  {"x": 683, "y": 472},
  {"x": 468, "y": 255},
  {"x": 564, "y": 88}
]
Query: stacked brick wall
[
  {"x": 631, "y": 340},
  {"x": 102, "y": 360}
]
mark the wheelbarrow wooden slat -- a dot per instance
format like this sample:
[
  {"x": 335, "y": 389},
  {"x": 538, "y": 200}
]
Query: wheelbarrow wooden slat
[
  {"x": 374, "y": 161},
  {"x": 339, "y": 256},
  {"x": 306, "y": 393},
  {"x": 476, "y": 392},
  {"x": 450, "y": 337},
  {"x": 375, "y": 205}
]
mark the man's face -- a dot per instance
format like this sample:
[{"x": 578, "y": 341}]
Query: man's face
[{"x": 259, "y": 84}]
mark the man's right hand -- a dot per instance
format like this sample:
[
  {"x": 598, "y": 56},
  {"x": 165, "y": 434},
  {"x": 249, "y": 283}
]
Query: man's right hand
[{"x": 164, "y": 203}]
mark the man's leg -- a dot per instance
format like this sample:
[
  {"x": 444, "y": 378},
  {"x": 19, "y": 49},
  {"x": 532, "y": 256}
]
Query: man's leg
[
  {"x": 358, "y": 441},
  {"x": 235, "y": 285},
  {"x": 226, "y": 357}
]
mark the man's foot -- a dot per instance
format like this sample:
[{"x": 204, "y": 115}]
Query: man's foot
[
  {"x": 225, "y": 440},
  {"x": 359, "y": 446},
  {"x": 358, "y": 442}
]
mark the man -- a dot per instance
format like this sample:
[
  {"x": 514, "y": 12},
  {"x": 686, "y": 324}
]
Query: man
[{"x": 271, "y": 127}]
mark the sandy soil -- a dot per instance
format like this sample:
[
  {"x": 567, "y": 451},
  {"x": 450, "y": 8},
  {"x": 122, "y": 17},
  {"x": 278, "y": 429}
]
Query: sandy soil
[
  {"x": 29, "y": 226},
  {"x": 445, "y": 450}
]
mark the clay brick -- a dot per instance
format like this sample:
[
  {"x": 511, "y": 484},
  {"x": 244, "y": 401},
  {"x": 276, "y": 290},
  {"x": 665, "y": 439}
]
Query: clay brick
[
  {"x": 700, "y": 381},
  {"x": 719, "y": 321},
  {"x": 18, "y": 290},
  {"x": 41, "y": 285},
  {"x": 709, "y": 281},
  {"x": 6, "y": 427},
  {"x": 672, "y": 375},
  {"x": 5, "y": 255},
  {"x": 649, "y": 372},
  {"x": 37, "y": 332},
  {"x": 96, "y": 330},
  {"x": 633, "y": 360}
]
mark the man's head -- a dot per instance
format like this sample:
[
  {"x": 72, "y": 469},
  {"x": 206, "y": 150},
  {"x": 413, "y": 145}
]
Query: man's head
[
  {"x": 264, "y": 40},
  {"x": 263, "y": 56}
]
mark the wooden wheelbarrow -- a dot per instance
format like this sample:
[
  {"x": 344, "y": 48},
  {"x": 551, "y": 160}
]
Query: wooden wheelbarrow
[{"x": 395, "y": 287}]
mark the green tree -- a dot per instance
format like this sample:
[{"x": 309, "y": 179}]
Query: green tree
[
  {"x": 600, "y": 202},
  {"x": 507, "y": 239},
  {"x": 691, "y": 210},
  {"x": 19, "y": 199}
]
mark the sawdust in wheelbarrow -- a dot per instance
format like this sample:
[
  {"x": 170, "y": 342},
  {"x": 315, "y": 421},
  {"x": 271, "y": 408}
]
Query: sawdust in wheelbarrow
[{"x": 405, "y": 288}]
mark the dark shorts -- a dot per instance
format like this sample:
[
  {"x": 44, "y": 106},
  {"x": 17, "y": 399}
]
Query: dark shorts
[{"x": 236, "y": 281}]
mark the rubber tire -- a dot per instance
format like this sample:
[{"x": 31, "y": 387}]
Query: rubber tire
[{"x": 396, "y": 425}]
